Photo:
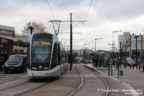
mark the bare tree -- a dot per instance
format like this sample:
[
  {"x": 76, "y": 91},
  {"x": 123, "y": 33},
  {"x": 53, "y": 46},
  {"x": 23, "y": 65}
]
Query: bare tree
[{"x": 38, "y": 28}]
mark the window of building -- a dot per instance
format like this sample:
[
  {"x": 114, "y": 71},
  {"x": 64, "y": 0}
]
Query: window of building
[
  {"x": 4, "y": 41},
  {"x": 1, "y": 46}
]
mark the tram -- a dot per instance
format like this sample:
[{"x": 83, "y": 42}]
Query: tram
[{"x": 46, "y": 56}]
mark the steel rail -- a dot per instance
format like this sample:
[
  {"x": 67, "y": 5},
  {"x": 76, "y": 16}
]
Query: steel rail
[
  {"x": 80, "y": 85},
  {"x": 37, "y": 87},
  {"x": 105, "y": 82},
  {"x": 14, "y": 86}
]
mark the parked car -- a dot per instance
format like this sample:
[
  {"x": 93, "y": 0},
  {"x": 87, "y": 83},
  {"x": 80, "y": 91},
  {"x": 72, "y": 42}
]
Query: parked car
[
  {"x": 85, "y": 61},
  {"x": 15, "y": 63}
]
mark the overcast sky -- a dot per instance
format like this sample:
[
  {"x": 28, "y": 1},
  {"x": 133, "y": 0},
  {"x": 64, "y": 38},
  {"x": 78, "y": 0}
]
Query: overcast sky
[{"x": 104, "y": 16}]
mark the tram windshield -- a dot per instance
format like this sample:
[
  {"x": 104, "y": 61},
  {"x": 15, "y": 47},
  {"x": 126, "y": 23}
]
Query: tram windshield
[{"x": 41, "y": 50}]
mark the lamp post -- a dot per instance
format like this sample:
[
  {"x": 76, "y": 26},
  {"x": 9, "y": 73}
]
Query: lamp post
[
  {"x": 31, "y": 29},
  {"x": 113, "y": 43},
  {"x": 95, "y": 43},
  {"x": 110, "y": 71},
  {"x": 113, "y": 46}
]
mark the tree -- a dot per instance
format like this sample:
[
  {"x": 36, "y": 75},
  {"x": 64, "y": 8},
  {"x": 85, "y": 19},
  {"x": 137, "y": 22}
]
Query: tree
[
  {"x": 75, "y": 54},
  {"x": 38, "y": 28},
  {"x": 85, "y": 54}
]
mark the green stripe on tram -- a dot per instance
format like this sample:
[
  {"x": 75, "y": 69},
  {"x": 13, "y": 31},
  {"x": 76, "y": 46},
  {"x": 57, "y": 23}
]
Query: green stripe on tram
[{"x": 57, "y": 42}]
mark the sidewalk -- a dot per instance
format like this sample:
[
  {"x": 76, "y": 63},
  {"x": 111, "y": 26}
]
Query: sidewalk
[
  {"x": 135, "y": 78},
  {"x": 132, "y": 77}
]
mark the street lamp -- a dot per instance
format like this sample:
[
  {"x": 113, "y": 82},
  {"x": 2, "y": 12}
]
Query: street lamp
[
  {"x": 31, "y": 29},
  {"x": 110, "y": 71},
  {"x": 113, "y": 43},
  {"x": 95, "y": 43},
  {"x": 113, "y": 47}
]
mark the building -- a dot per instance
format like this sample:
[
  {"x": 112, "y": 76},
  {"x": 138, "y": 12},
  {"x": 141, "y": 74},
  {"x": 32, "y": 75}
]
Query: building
[
  {"x": 20, "y": 45},
  {"x": 6, "y": 42},
  {"x": 128, "y": 44},
  {"x": 6, "y": 31},
  {"x": 10, "y": 43}
]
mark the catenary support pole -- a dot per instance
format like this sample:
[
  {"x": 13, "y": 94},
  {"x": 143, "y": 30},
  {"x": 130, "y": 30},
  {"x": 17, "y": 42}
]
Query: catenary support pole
[{"x": 71, "y": 57}]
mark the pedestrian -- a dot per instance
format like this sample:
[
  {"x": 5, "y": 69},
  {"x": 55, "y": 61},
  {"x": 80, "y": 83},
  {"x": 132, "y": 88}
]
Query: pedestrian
[
  {"x": 100, "y": 61},
  {"x": 93, "y": 59}
]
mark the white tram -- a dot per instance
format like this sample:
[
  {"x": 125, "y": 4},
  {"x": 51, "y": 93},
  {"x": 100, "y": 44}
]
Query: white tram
[{"x": 46, "y": 57}]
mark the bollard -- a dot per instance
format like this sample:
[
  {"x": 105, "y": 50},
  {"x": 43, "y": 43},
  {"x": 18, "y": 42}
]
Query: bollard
[{"x": 121, "y": 71}]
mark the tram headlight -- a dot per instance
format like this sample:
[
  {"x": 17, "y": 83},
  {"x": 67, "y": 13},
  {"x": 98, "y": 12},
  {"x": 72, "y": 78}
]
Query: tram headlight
[
  {"x": 34, "y": 68},
  {"x": 45, "y": 68}
]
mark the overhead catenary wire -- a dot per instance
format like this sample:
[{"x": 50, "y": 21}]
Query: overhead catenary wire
[
  {"x": 88, "y": 8},
  {"x": 50, "y": 9},
  {"x": 57, "y": 23},
  {"x": 87, "y": 13}
]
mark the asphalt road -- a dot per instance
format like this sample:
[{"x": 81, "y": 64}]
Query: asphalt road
[{"x": 18, "y": 84}]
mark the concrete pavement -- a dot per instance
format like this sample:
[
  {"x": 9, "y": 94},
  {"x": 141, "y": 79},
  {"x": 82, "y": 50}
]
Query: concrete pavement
[{"x": 132, "y": 78}]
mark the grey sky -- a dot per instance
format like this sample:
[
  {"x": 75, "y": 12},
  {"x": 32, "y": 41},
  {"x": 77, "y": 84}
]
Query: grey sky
[{"x": 104, "y": 17}]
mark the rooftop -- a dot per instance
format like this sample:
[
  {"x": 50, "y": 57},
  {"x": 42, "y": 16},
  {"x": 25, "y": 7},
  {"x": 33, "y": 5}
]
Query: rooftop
[{"x": 3, "y": 27}]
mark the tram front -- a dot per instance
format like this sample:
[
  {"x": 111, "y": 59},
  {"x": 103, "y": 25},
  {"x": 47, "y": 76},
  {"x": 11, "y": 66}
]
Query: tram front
[{"x": 40, "y": 51}]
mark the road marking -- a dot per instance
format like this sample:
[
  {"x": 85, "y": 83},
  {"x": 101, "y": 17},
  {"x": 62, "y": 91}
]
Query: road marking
[
  {"x": 133, "y": 91},
  {"x": 11, "y": 82},
  {"x": 24, "y": 76}
]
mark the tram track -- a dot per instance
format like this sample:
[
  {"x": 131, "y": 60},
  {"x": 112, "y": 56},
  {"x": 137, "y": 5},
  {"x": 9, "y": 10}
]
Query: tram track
[
  {"x": 5, "y": 79},
  {"x": 30, "y": 90},
  {"x": 83, "y": 80},
  {"x": 64, "y": 86},
  {"x": 14, "y": 86},
  {"x": 80, "y": 85},
  {"x": 10, "y": 80},
  {"x": 70, "y": 84},
  {"x": 36, "y": 86},
  {"x": 9, "y": 91},
  {"x": 105, "y": 82}
]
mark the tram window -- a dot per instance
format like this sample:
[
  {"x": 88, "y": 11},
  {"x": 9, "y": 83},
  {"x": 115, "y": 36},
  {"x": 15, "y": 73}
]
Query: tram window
[{"x": 55, "y": 56}]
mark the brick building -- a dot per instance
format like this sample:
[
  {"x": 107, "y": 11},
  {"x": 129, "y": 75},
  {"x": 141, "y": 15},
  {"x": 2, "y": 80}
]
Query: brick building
[{"x": 6, "y": 42}]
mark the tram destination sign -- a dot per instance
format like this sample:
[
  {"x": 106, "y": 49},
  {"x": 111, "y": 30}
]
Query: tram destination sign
[{"x": 42, "y": 43}]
